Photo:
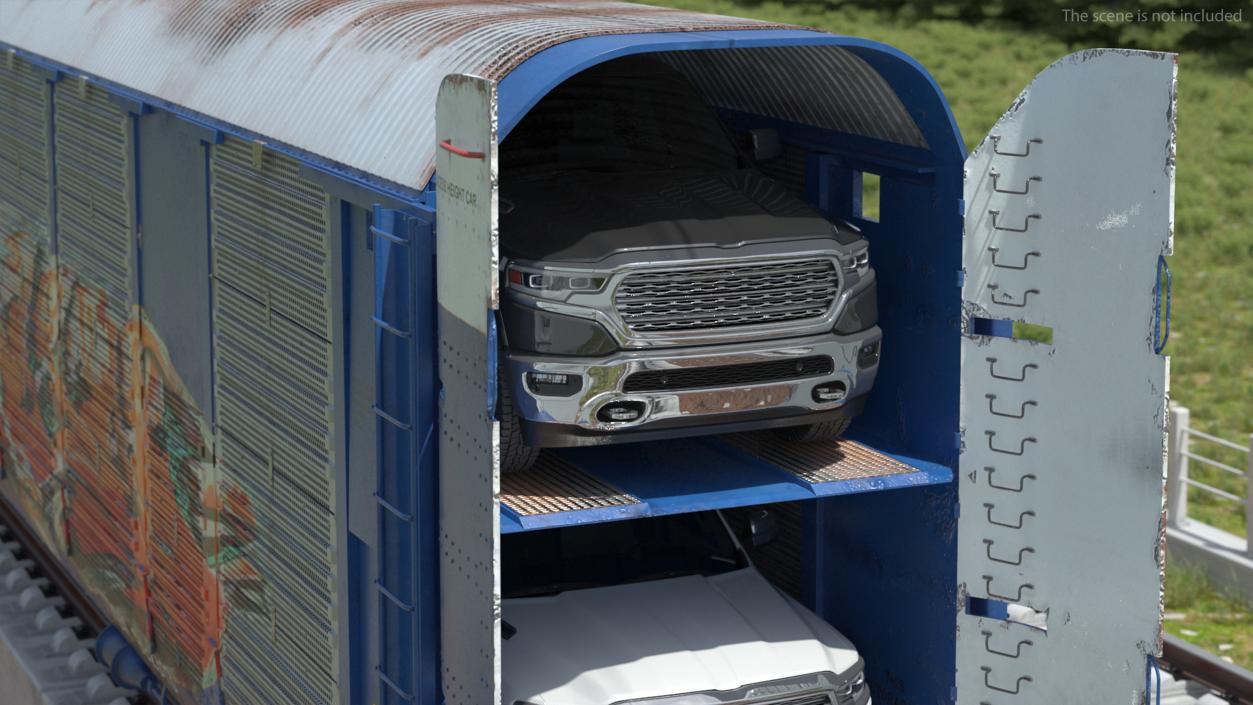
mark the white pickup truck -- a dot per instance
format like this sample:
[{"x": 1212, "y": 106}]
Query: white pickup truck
[{"x": 664, "y": 611}]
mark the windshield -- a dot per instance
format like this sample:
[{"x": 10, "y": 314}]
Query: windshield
[
  {"x": 576, "y": 557},
  {"x": 630, "y": 115}
]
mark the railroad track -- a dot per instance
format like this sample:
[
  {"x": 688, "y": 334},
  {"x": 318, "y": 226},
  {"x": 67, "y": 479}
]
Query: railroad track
[{"x": 47, "y": 628}]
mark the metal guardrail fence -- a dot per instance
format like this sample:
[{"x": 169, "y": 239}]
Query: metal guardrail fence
[{"x": 1179, "y": 482}]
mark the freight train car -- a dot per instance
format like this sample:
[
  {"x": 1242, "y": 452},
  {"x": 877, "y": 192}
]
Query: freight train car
[{"x": 248, "y": 321}]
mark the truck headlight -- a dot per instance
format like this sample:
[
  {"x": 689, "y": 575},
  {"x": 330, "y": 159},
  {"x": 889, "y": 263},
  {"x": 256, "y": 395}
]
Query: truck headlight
[
  {"x": 845, "y": 692},
  {"x": 858, "y": 261},
  {"x": 554, "y": 283}
]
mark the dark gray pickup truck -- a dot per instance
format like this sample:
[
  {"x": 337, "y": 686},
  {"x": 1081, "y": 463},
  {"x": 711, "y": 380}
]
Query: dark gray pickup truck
[{"x": 658, "y": 284}]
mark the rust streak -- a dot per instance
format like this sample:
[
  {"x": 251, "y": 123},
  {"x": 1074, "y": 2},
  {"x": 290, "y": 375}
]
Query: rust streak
[{"x": 217, "y": 25}]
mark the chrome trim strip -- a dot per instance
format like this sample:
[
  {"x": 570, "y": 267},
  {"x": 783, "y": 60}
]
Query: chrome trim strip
[
  {"x": 603, "y": 381},
  {"x": 805, "y": 686}
]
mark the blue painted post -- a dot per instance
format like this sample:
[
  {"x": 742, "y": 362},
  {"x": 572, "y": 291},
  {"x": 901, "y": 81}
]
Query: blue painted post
[{"x": 404, "y": 408}]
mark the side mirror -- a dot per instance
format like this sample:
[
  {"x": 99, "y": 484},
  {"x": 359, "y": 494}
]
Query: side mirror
[
  {"x": 762, "y": 528},
  {"x": 766, "y": 146}
]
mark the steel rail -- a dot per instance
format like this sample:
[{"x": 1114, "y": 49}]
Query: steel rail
[
  {"x": 60, "y": 582},
  {"x": 1196, "y": 664},
  {"x": 1215, "y": 439},
  {"x": 51, "y": 568}
]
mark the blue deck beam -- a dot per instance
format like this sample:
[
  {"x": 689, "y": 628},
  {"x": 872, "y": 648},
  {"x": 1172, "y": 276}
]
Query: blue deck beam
[{"x": 690, "y": 475}]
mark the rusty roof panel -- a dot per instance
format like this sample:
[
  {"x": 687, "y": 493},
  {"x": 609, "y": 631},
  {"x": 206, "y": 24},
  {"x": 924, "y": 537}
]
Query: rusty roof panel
[{"x": 352, "y": 81}]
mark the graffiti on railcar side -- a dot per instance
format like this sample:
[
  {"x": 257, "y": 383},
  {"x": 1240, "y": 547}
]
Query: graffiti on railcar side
[
  {"x": 108, "y": 455},
  {"x": 29, "y": 383},
  {"x": 98, "y": 461},
  {"x": 180, "y": 515}
]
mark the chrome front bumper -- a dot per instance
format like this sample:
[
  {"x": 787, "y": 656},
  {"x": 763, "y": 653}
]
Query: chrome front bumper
[{"x": 572, "y": 420}]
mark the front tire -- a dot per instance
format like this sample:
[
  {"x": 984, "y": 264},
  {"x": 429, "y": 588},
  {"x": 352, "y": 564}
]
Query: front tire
[
  {"x": 816, "y": 432},
  {"x": 515, "y": 454}
]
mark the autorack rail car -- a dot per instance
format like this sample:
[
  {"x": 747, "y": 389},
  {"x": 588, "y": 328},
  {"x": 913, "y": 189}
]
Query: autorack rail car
[{"x": 248, "y": 391}]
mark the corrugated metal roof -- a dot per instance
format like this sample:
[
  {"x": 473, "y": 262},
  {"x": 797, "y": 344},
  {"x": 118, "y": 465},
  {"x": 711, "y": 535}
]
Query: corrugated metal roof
[
  {"x": 779, "y": 82},
  {"x": 354, "y": 81}
]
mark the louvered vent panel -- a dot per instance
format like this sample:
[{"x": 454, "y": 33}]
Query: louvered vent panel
[
  {"x": 96, "y": 256},
  {"x": 278, "y": 584},
  {"x": 270, "y": 234},
  {"x": 274, "y": 391},
  {"x": 24, "y": 122},
  {"x": 93, "y": 194},
  {"x": 28, "y": 404},
  {"x": 273, "y": 386}
]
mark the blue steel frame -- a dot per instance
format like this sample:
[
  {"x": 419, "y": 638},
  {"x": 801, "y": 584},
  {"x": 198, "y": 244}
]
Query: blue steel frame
[
  {"x": 920, "y": 242},
  {"x": 404, "y": 345},
  {"x": 895, "y": 550},
  {"x": 716, "y": 475},
  {"x": 882, "y": 566}
]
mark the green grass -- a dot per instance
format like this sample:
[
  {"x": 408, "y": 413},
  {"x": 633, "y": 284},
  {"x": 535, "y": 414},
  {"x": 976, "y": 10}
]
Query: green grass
[
  {"x": 981, "y": 70},
  {"x": 1198, "y": 614},
  {"x": 1033, "y": 332}
]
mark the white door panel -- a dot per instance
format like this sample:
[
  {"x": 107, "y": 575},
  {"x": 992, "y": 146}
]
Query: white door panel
[
  {"x": 1068, "y": 210},
  {"x": 469, "y": 456}
]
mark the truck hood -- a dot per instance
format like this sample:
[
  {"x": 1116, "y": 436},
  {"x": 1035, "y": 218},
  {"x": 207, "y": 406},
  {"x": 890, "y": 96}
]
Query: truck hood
[
  {"x": 665, "y": 637},
  {"x": 585, "y": 217}
]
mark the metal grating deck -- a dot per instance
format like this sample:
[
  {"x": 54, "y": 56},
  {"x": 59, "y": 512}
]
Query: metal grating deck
[
  {"x": 611, "y": 483},
  {"x": 820, "y": 462},
  {"x": 553, "y": 485}
]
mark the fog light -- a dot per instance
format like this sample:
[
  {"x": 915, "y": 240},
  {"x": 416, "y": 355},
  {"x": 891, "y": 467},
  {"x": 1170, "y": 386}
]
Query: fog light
[
  {"x": 621, "y": 412},
  {"x": 553, "y": 384},
  {"x": 830, "y": 392},
  {"x": 868, "y": 355}
]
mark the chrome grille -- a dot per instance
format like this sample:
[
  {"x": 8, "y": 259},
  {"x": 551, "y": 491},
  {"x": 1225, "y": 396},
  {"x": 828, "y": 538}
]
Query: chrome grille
[
  {"x": 723, "y": 297},
  {"x": 810, "y": 699}
]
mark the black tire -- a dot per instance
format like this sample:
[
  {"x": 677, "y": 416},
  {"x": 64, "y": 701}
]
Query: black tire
[
  {"x": 816, "y": 432},
  {"x": 515, "y": 454}
]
